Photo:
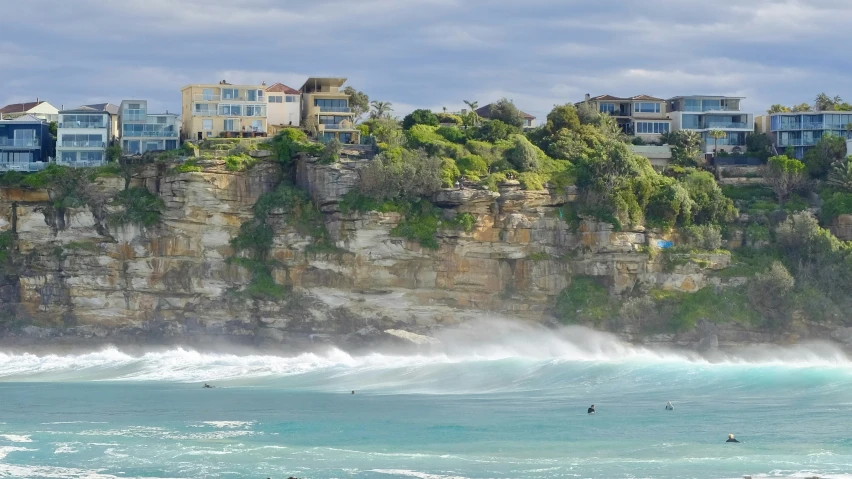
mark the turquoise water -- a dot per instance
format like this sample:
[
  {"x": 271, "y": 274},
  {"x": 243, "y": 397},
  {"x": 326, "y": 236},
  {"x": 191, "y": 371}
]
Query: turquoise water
[{"x": 499, "y": 409}]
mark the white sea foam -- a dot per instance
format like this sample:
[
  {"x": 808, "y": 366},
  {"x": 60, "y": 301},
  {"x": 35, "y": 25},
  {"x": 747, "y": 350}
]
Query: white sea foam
[
  {"x": 228, "y": 424},
  {"x": 5, "y": 450},
  {"x": 474, "y": 343},
  {"x": 16, "y": 438},
  {"x": 408, "y": 473}
]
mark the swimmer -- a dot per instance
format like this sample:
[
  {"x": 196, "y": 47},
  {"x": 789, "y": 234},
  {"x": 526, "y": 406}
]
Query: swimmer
[
  {"x": 731, "y": 438},
  {"x": 591, "y": 410},
  {"x": 669, "y": 406}
]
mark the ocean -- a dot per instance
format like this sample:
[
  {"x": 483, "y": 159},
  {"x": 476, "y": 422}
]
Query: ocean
[{"x": 508, "y": 401}]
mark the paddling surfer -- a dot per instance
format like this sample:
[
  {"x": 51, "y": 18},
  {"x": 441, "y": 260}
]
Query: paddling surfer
[{"x": 591, "y": 410}]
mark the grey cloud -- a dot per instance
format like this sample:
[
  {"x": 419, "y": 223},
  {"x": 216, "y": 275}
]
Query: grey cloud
[{"x": 429, "y": 53}]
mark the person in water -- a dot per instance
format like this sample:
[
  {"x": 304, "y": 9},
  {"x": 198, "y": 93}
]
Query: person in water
[
  {"x": 731, "y": 438},
  {"x": 669, "y": 406},
  {"x": 207, "y": 386},
  {"x": 591, "y": 409}
]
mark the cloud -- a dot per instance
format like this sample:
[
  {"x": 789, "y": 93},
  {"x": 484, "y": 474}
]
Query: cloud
[{"x": 429, "y": 53}]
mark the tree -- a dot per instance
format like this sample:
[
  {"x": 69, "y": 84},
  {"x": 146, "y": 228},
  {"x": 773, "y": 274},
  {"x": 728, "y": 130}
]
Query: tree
[
  {"x": 784, "y": 175},
  {"x": 381, "y": 109},
  {"x": 523, "y": 155},
  {"x": 828, "y": 150},
  {"x": 824, "y": 103},
  {"x": 717, "y": 135},
  {"x": 769, "y": 293},
  {"x": 419, "y": 117},
  {"x": 777, "y": 108},
  {"x": 312, "y": 125},
  {"x": 359, "y": 102},
  {"x": 840, "y": 175},
  {"x": 686, "y": 146},
  {"x": 759, "y": 145},
  {"x": 505, "y": 111},
  {"x": 801, "y": 107},
  {"x": 473, "y": 105},
  {"x": 415, "y": 174},
  {"x": 113, "y": 153},
  {"x": 494, "y": 130}
]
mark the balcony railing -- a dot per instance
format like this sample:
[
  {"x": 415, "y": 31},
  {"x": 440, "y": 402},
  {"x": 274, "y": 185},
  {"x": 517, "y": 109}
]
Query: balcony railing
[
  {"x": 149, "y": 134},
  {"x": 715, "y": 125},
  {"x": 203, "y": 97},
  {"x": 335, "y": 109},
  {"x": 29, "y": 166},
  {"x": 707, "y": 108},
  {"x": 336, "y": 126},
  {"x": 206, "y": 113},
  {"x": 82, "y": 125},
  {"x": 82, "y": 144},
  {"x": 20, "y": 142},
  {"x": 798, "y": 142},
  {"x": 81, "y": 164},
  {"x": 134, "y": 117}
]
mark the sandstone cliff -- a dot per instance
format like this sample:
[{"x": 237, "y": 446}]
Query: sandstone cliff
[{"x": 75, "y": 279}]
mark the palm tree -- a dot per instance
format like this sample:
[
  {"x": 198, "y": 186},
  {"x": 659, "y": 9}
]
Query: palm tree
[
  {"x": 716, "y": 135},
  {"x": 381, "y": 109},
  {"x": 473, "y": 105}
]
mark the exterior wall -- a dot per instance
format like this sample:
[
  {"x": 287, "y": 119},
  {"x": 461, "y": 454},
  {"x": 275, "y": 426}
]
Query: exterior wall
[
  {"x": 802, "y": 130},
  {"x": 141, "y": 131},
  {"x": 28, "y": 153},
  {"x": 45, "y": 111},
  {"x": 193, "y": 121},
  {"x": 328, "y": 131},
  {"x": 90, "y": 152},
  {"x": 284, "y": 113}
]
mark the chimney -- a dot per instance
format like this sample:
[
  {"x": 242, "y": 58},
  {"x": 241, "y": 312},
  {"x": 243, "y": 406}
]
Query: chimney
[
  {"x": 263, "y": 83},
  {"x": 588, "y": 97},
  {"x": 36, "y": 99}
]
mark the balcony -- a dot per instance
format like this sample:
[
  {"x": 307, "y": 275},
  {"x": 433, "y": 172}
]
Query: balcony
[
  {"x": 725, "y": 125},
  {"x": 205, "y": 113},
  {"x": 20, "y": 142},
  {"x": 797, "y": 142},
  {"x": 335, "y": 109},
  {"x": 203, "y": 97},
  {"x": 134, "y": 117},
  {"x": 707, "y": 108},
  {"x": 149, "y": 134},
  {"x": 241, "y": 97},
  {"x": 82, "y": 125},
  {"x": 82, "y": 144},
  {"x": 81, "y": 163},
  {"x": 337, "y": 126},
  {"x": 24, "y": 167}
]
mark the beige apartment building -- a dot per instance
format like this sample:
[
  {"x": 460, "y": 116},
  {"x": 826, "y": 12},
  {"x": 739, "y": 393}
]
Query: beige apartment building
[
  {"x": 223, "y": 110},
  {"x": 323, "y": 100},
  {"x": 641, "y": 115}
]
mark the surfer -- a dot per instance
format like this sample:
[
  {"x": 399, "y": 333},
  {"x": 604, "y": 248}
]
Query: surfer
[
  {"x": 591, "y": 410},
  {"x": 207, "y": 386},
  {"x": 731, "y": 438},
  {"x": 353, "y": 392},
  {"x": 669, "y": 406}
]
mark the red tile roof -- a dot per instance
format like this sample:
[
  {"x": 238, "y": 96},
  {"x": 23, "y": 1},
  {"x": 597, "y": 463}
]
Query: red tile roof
[
  {"x": 646, "y": 97},
  {"x": 282, "y": 88},
  {"x": 20, "y": 107}
]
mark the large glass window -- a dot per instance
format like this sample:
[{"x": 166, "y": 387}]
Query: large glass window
[
  {"x": 275, "y": 99},
  {"x": 332, "y": 105},
  {"x": 231, "y": 124},
  {"x": 207, "y": 94},
  {"x": 230, "y": 110},
  {"x": 257, "y": 125},
  {"x": 207, "y": 125},
  {"x": 83, "y": 121},
  {"x": 230, "y": 93},
  {"x": 652, "y": 127},
  {"x": 255, "y": 110},
  {"x": 647, "y": 108},
  {"x": 331, "y": 120},
  {"x": 91, "y": 156},
  {"x": 205, "y": 109},
  {"x": 607, "y": 107},
  {"x": 707, "y": 105},
  {"x": 690, "y": 122},
  {"x": 290, "y": 99},
  {"x": 69, "y": 156},
  {"x": 82, "y": 141},
  {"x": 691, "y": 104}
]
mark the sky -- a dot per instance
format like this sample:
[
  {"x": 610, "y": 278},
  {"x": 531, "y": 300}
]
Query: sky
[{"x": 428, "y": 53}]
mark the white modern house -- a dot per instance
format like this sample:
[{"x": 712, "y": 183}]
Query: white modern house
[
  {"x": 704, "y": 113},
  {"x": 282, "y": 105},
  {"x": 82, "y": 137},
  {"x": 141, "y": 131}
]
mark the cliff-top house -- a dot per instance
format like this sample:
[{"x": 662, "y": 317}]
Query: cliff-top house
[
  {"x": 37, "y": 109},
  {"x": 324, "y": 101},
  {"x": 142, "y": 131},
  {"x": 641, "y": 115},
  {"x": 25, "y": 144},
  {"x": 223, "y": 109},
  {"x": 283, "y": 105}
]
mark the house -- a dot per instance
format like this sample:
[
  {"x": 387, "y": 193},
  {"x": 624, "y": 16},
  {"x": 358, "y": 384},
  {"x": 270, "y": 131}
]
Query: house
[
  {"x": 282, "y": 106},
  {"x": 113, "y": 116},
  {"x": 323, "y": 101},
  {"x": 25, "y": 144},
  {"x": 485, "y": 112},
  {"x": 802, "y": 130},
  {"x": 38, "y": 109},
  {"x": 142, "y": 131},
  {"x": 641, "y": 115},
  {"x": 82, "y": 136},
  {"x": 705, "y": 113},
  {"x": 223, "y": 110}
]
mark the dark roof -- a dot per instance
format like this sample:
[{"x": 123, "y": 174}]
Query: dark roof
[
  {"x": 20, "y": 107},
  {"x": 485, "y": 112},
  {"x": 615, "y": 98},
  {"x": 646, "y": 97},
  {"x": 607, "y": 97},
  {"x": 107, "y": 107},
  {"x": 282, "y": 88},
  {"x": 84, "y": 109}
]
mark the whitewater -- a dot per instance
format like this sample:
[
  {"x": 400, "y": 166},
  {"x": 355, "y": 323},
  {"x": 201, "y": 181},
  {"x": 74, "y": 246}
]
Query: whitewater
[{"x": 496, "y": 399}]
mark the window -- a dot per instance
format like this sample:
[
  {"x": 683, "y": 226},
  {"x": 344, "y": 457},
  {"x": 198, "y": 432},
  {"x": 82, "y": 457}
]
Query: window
[
  {"x": 230, "y": 110},
  {"x": 207, "y": 125},
  {"x": 275, "y": 99},
  {"x": 161, "y": 120},
  {"x": 255, "y": 110},
  {"x": 331, "y": 120},
  {"x": 332, "y": 105},
  {"x": 91, "y": 156},
  {"x": 171, "y": 144},
  {"x": 207, "y": 94},
  {"x": 230, "y": 93},
  {"x": 231, "y": 124},
  {"x": 257, "y": 125},
  {"x": 69, "y": 156},
  {"x": 607, "y": 107},
  {"x": 647, "y": 108},
  {"x": 651, "y": 127},
  {"x": 290, "y": 99},
  {"x": 203, "y": 109}
]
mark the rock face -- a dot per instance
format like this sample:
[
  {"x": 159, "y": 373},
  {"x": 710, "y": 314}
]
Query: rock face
[
  {"x": 174, "y": 282},
  {"x": 842, "y": 227}
]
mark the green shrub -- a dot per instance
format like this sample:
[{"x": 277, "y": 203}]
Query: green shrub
[
  {"x": 463, "y": 221},
  {"x": 331, "y": 152},
  {"x": 6, "y": 240},
  {"x": 523, "y": 155},
  {"x": 420, "y": 224},
  {"x": 239, "y": 162},
  {"x": 453, "y": 134},
  {"x": 539, "y": 256},
  {"x": 584, "y": 301},
  {"x": 449, "y": 172},
  {"x": 472, "y": 165},
  {"x": 756, "y": 232},
  {"x": 686, "y": 309},
  {"x": 704, "y": 237},
  {"x": 495, "y": 130},
  {"x": 136, "y": 206},
  {"x": 188, "y": 166},
  {"x": 487, "y": 151},
  {"x": 531, "y": 181},
  {"x": 355, "y": 201},
  {"x": 836, "y": 204},
  {"x": 449, "y": 118},
  {"x": 796, "y": 203},
  {"x": 419, "y": 117},
  {"x": 12, "y": 178}
]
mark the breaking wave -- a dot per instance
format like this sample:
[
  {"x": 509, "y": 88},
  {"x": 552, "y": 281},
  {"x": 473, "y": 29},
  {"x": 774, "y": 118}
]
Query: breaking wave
[{"x": 485, "y": 356}]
